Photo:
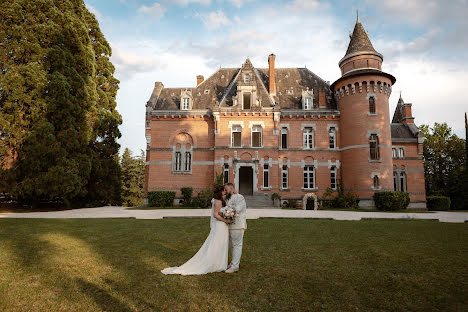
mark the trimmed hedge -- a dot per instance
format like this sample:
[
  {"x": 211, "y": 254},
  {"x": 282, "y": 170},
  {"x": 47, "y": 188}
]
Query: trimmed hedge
[
  {"x": 438, "y": 203},
  {"x": 391, "y": 201},
  {"x": 203, "y": 198},
  {"x": 161, "y": 198},
  {"x": 187, "y": 195}
]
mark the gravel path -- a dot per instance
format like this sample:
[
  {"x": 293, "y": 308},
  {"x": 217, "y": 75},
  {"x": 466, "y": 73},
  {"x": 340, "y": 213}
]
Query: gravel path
[{"x": 123, "y": 212}]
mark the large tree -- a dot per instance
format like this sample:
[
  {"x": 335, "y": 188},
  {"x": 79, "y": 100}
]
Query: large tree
[
  {"x": 58, "y": 121},
  {"x": 444, "y": 163}
]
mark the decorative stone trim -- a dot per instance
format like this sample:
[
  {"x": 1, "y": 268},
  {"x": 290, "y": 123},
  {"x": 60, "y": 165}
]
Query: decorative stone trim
[
  {"x": 307, "y": 196},
  {"x": 235, "y": 123}
]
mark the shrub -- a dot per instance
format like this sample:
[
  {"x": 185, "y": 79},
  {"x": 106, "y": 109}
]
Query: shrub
[
  {"x": 187, "y": 195},
  {"x": 341, "y": 201},
  {"x": 438, "y": 203},
  {"x": 290, "y": 203},
  {"x": 203, "y": 198},
  {"x": 161, "y": 198},
  {"x": 391, "y": 201}
]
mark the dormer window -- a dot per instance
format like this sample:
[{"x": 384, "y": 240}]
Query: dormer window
[
  {"x": 185, "y": 104},
  {"x": 247, "y": 78},
  {"x": 307, "y": 103},
  {"x": 307, "y": 99}
]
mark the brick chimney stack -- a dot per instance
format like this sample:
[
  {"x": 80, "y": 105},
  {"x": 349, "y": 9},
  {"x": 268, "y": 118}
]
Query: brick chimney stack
[
  {"x": 271, "y": 63},
  {"x": 200, "y": 79}
]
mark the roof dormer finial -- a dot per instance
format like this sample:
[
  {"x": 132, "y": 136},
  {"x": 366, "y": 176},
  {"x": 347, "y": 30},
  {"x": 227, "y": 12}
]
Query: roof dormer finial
[{"x": 357, "y": 16}]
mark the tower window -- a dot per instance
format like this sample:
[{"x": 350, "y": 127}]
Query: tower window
[
  {"x": 236, "y": 133},
  {"x": 246, "y": 97},
  {"x": 178, "y": 161},
  {"x": 284, "y": 137},
  {"x": 376, "y": 182},
  {"x": 308, "y": 137},
  {"x": 284, "y": 177},
  {"x": 372, "y": 105},
  {"x": 374, "y": 147},
  {"x": 226, "y": 173},
  {"x": 309, "y": 177},
  {"x": 256, "y": 136},
  {"x": 402, "y": 182},
  {"x": 332, "y": 137}
]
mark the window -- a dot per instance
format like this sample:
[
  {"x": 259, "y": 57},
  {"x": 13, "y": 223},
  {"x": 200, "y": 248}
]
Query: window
[
  {"x": 332, "y": 139},
  {"x": 372, "y": 105},
  {"x": 185, "y": 103},
  {"x": 307, "y": 103},
  {"x": 376, "y": 182},
  {"x": 256, "y": 136},
  {"x": 308, "y": 138},
  {"x": 178, "y": 161},
  {"x": 226, "y": 173},
  {"x": 374, "y": 147},
  {"x": 236, "y": 133},
  {"x": 284, "y": 137},
  {"x": 402, "y": 182},
  {"x": 333, "y": 177},
  {"x": 188, "y": 161},
  {"x": 394, "y": 153},
  {"x": 309, "y": 177},
  {"x": 284, "y": 177},
  {"x": 247, "y": 78},
  {"x": 401, "y": 153},
  {"x": 266, "y": 175},
  {"x": 395, "y": 181},
  {"x": 246, "y": 100}
]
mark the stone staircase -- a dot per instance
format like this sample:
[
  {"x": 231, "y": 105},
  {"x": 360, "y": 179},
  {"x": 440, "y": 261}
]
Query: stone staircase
[{"x": 260, "y": 201}]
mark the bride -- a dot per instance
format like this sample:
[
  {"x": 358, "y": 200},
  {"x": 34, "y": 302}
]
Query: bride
[{"x": 213, "y": 255}]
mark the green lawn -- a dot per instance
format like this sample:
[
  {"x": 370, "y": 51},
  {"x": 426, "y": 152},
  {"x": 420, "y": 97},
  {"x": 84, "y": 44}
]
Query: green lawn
[{"x": 287, "y": 265}]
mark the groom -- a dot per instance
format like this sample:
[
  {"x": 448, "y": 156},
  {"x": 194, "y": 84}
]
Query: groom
[{"x": 236, "y": 229}]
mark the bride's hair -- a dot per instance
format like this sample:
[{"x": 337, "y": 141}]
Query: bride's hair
[{"x": 218, "y": 194}]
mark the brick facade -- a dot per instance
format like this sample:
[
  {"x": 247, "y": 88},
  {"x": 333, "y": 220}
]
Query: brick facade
[{"x": 193, "y": 133}]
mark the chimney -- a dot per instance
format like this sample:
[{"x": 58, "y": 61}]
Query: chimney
[
  {"x": 200, "y": 79},
  {"x": 271, "y": 63},
  {"x": 407, "y": 114},
  {"x": 322, "y": 99}
]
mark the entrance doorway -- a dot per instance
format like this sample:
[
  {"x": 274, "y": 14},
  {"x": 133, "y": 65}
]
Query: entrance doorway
[
  {"x": 310, "y": 203},
  {"x": 246, "y": 180}
]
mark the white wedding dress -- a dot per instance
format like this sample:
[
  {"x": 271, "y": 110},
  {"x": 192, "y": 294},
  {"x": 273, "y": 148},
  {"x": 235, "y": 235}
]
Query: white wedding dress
[{"x": 212, "y": 256}]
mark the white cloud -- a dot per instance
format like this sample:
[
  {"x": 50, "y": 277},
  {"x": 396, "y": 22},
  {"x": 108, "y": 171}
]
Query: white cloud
[
  {"x": 214, "y": 20},
  {"x": 94, "y": 11},
  {"x": 301, "y": 5},
  {"x": 187, "y": 2},
  {"x": 156, "y": 10},
  {"x": 127, "y": 64}
]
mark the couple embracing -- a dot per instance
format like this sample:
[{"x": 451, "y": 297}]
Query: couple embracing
[{"x": 227, "y": 222}]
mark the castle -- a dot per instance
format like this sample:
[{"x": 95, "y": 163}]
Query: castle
[{"x": 287, "y": 131}]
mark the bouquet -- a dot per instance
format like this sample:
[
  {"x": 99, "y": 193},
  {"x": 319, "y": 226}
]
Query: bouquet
[{"x": 229, "y": 213}]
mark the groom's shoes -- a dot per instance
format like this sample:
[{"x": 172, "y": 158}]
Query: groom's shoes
[{"x": 231, "y": 270}]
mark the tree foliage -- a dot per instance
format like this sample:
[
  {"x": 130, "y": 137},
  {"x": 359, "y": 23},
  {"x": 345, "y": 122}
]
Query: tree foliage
[
  {"x": 133, "y": 178},
  {"x": 444, "y": 164},
  {"x": 58, "y": 123}
]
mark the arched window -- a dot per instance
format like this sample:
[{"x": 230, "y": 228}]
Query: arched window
[
  {"x": 395, "y": 181},
  {"x": 372, "y": 105},
  {"x": 226, "y": 173},
  {"x": 374, "y": 147},
  {"x": 376, "y": 182},
  {"x": 188, "y": 161},
  {"x": 402, "y": 182},
  {"x": 284, "y": 137},
  {"x": 178, "y": 161}
]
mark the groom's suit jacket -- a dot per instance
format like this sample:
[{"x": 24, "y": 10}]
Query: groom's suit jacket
[{"x": 238, "y": 201}]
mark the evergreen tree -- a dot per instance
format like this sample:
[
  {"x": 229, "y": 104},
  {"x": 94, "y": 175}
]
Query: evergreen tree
[
  {"x": 133, "y": 178},
  {"x": 58, "y": 123}
]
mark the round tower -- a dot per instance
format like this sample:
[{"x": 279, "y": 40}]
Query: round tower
[{"x": 362, "y": 94}]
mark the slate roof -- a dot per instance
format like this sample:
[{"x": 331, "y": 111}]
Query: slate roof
[
  {"x": 400, "y": 130},
  {"x": 220, "y": 87},
  {"x": 359, "y": 40}
]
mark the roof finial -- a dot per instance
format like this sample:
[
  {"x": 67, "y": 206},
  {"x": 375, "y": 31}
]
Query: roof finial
[{"x": 357, "y": 16}]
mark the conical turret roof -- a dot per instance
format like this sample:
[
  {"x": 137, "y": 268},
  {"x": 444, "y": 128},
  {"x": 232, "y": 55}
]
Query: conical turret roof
[{"x": 359, "y": 40}]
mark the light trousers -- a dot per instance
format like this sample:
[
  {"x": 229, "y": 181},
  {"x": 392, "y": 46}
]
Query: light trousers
[{"x": 235, "y": 240}]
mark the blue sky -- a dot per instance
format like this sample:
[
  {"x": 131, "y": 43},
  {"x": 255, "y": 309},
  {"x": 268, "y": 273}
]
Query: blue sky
[{"x": 424, "y": 44}]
